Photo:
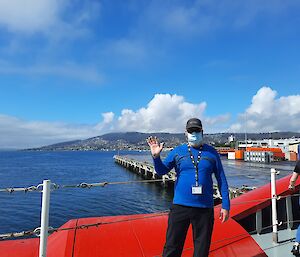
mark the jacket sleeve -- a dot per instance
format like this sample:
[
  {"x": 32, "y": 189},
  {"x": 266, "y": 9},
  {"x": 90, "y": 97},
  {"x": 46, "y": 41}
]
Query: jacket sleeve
[
  {"x": 163, "y": 167},
  {"x": 222, "y": 183}
]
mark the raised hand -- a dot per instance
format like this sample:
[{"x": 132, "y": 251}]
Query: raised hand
[{"x": 155, "y": 146}]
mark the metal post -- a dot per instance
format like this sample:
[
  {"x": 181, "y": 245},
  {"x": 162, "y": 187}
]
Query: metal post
[
  {"x": 153, "y": 173},
  {"x": 45, "y": 218},
  {"x": 274, "y": 207},
  {"x": 258, "y": 221},
  {"x": 164, "y": 179},
  {"x": 289, "y": 211}
]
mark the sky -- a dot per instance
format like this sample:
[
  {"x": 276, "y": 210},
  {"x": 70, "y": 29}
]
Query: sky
[{"x": 82, "y": 68}]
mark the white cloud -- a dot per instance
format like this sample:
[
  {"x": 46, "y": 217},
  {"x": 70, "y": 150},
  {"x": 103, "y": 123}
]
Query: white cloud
[
  {"x": 48, "y": 17},
  {"x": 107, "y": 123},
  {"x": 126, "y": 51},
  {"x": 269, "y": 113},
  {"x": 202, "y": 17},
  {"x": 29, "y": 16},
  {"x": 164, "y": 113},
  {"x": 67, "y": 70},
  {"x": 18, "y": 133},
  {"x": 192, "y": 20},
  {"x": 167, "y": 113},
  {"x": 158, "y": 24},
  {"x": 108, "y": 117}
]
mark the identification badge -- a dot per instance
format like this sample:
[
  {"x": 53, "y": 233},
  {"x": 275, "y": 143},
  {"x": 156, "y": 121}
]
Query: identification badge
[{"x": 197, "y": 190}]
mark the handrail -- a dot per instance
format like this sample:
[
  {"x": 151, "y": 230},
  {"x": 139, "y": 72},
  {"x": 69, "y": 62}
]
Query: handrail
[
  {"x": 274, "y": 205},
  {"x": 36, "y": 231},
  {"x": 45, "y": 218},
  {"x": 47, "y": 187}
]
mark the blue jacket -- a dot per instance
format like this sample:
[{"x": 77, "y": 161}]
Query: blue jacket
[{"x": 179, "y": 158}]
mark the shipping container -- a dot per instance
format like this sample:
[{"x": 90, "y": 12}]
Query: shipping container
[
  {"x": 231, "y": 156},
  {"x": 280, "y": 156},
  {"x": 293, "y": 156},
  {"x": 264, "y": 149},
  {"x": 239, "y": 154}
]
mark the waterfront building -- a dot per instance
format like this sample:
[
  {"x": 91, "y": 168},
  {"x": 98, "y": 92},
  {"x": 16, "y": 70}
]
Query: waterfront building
[
  {"x": 288, "y": 146},
  {"x": 258, "y": 156}
]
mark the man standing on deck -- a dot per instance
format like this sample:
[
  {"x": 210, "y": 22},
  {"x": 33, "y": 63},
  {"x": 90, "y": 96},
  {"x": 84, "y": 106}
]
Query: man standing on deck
[
  {"x": 293, "y": 179},
  {"x": 193, "y": 201}
]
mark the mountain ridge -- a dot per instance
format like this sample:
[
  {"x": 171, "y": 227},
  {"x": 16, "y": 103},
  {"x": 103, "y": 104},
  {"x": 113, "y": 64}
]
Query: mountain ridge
[{"x": 137, "y": 140}]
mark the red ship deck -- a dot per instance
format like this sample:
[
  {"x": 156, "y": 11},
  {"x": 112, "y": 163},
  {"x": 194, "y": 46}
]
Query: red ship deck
[{"x": 144, "y": 234}]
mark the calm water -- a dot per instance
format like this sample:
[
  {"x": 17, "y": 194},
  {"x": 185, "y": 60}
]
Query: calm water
[{"x": 20, "y": 211}]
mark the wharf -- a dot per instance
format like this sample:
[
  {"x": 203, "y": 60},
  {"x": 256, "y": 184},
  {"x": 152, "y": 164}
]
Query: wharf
[{"x": 147, "y": 171}]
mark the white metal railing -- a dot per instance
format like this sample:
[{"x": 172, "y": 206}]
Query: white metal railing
[
  {"x": 274, "y": 205},
  {"x": 45, "y": 218},
  {"x": 44, "y": 229},
  {"x": 46, "y": 204}
]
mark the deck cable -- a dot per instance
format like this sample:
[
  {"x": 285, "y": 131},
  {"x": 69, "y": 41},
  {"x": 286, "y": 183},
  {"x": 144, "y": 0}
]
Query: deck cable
[
  {"x": 54, "y": 186},
  {"x": 80, "y": 185},
  {"x": 35, "y": 232},
  {"x": 233, "y": 192}
]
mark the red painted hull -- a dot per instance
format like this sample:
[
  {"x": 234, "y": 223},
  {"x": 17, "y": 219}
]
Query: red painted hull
[{"x": 144, "y": 234}]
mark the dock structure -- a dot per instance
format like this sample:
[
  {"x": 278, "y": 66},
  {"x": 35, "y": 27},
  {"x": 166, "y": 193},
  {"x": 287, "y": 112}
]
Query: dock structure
[{"x": 147, "y": 171}]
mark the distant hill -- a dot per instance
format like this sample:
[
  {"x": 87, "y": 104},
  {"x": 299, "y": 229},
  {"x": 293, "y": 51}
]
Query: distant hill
[{"x": 137, "y": 140}]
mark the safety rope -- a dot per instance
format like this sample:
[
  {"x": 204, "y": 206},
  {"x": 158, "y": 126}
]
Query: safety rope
[
  {"x": 54, "y": 186},
  {"x": 17, "y": 234},
  {"x": 22, "y": 189},
  {"x": 36, "y": 231},
  {"x": 80, "y": 185},
  {"x": 264, "y": 199},
  {"x": 103, "y": 184},
  {"x": 233, "y": 193}
]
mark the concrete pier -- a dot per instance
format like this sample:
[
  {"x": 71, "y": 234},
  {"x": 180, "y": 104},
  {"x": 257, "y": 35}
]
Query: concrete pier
[{"x": 147, "y": 171}]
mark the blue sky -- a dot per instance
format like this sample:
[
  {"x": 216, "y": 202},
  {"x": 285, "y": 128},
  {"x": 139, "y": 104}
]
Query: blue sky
[{"x": 75, "y": 69}]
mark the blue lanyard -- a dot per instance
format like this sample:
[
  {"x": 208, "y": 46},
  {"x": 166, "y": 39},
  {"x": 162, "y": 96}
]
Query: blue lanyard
[{"x": 195, "y": 164}]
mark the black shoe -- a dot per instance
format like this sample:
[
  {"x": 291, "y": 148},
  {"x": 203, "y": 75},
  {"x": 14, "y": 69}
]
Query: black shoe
[{"x": 295, "y": 251}]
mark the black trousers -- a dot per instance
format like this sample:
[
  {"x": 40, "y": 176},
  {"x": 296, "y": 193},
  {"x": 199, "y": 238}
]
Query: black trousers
[{"x": 180, "y": 217}]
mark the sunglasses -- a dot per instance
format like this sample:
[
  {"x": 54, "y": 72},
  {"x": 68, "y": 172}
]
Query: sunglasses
[{"x": 191, "y": 130}]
